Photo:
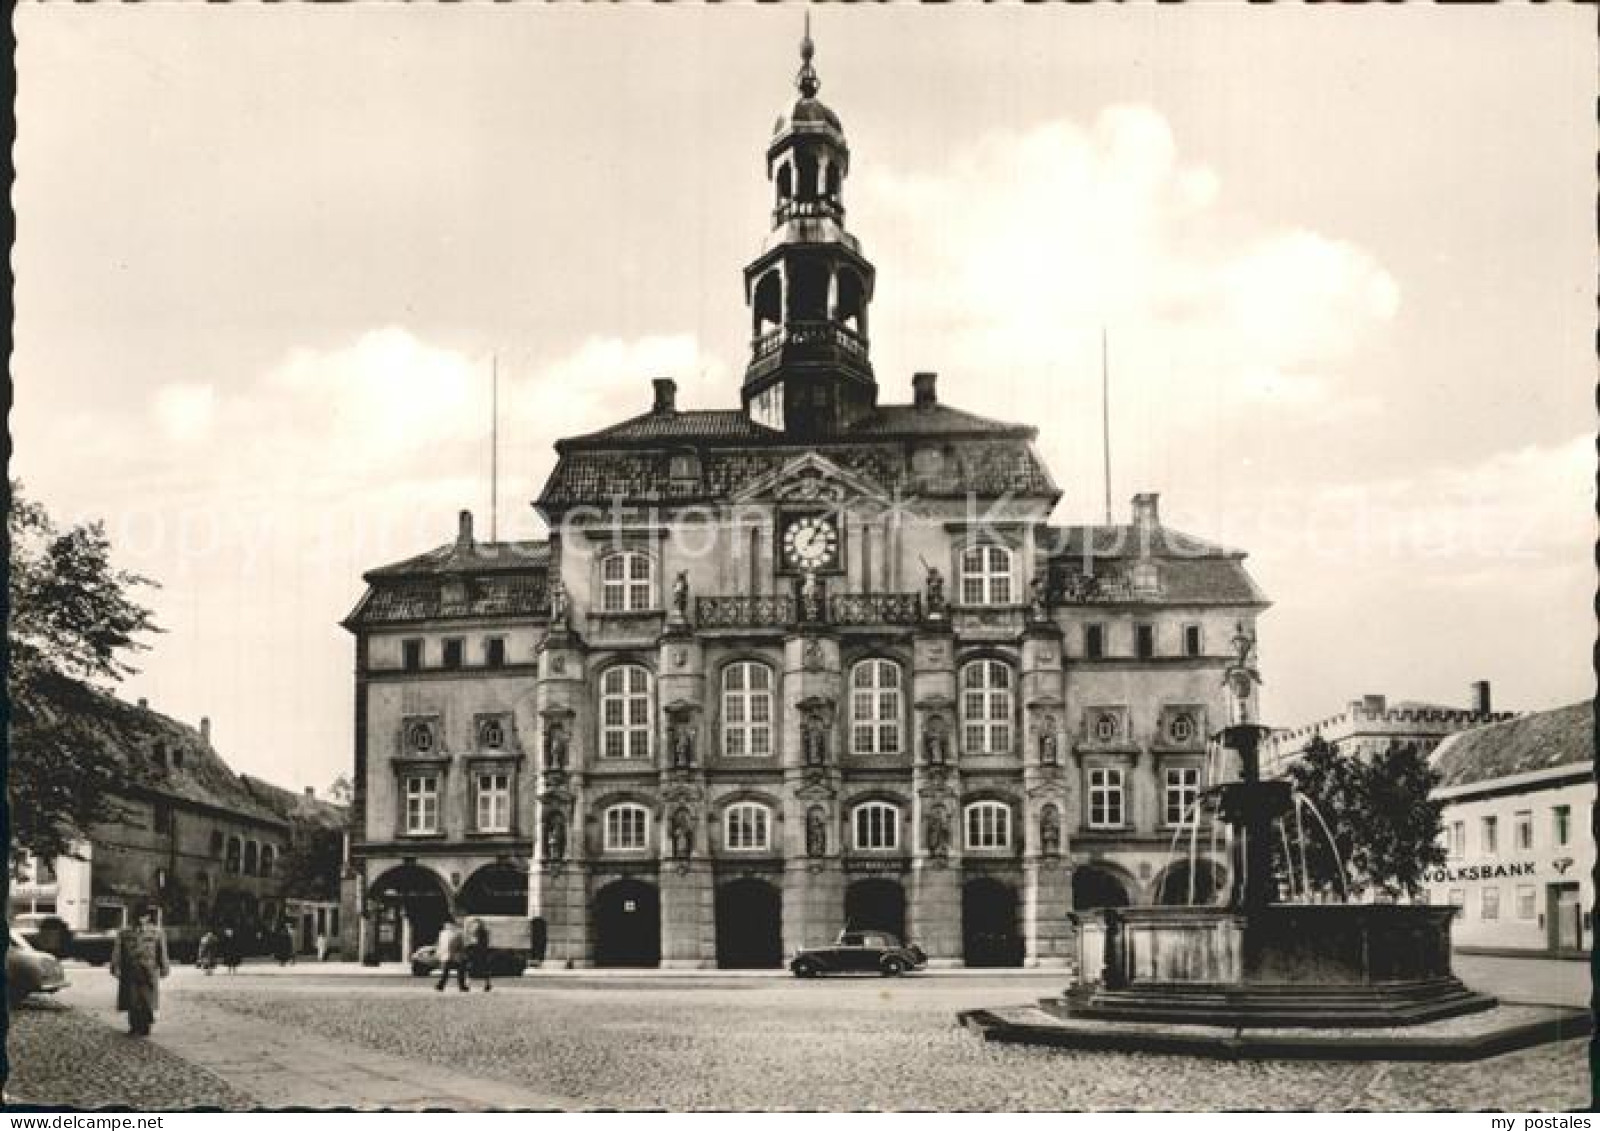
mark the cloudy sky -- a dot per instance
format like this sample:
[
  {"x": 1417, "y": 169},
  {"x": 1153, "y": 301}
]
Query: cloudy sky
[{"x": 1345, "y": 259}]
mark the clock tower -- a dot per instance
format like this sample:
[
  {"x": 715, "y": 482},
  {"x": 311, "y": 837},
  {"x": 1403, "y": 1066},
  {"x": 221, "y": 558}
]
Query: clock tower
[{"x": 809, "y": 288}]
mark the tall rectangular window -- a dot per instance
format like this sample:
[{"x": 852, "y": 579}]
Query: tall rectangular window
[
  {"x": 1105, "y": 799},
  {"x": 1458, "y": 838},
  {"x": 452, "y": 653},
  {"x": 1491, "y": 835},
  {"x": 1183, "y": 790},
  {"x": 1094, "y": 641},
  {"x": 1561, "y": 823},
  {"x": 1491, "y": 903},
  {"x": 422, "y": 804},
  {"x": 1527, "y": 901},
  {"x": 1522, "y": 829},
  {"x": 411, "y": 655},
  {"x": 494, "y": 802},
  {"x": 494, "y": 652},
  {"x": 1144, "y": 636},
  {"x": 1191, "y": 640}
]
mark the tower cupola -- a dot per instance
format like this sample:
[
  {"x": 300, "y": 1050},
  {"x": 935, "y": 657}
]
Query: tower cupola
[{"x": 809, "y": 288}]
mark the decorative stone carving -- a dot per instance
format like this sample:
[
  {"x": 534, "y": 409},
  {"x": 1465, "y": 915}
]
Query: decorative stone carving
[
  {"x": 934, "y": 591},
  {"x": 555, "y": 745},
  {"x": 811, "y": 655},
  {"x": 936, "y": 741},
  {"x": 811, "y": 602},
  {"x": 816, "y": 720},
  {"x": 560, "y": 611},
  {"x": 683, "y": 745},
  {"x": 1038, "y": 599},
  {"x": 680, "y": 595}
]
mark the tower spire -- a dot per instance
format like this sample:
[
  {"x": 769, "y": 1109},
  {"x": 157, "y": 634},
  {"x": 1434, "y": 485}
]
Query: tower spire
[{"x": 807, "y": 80}]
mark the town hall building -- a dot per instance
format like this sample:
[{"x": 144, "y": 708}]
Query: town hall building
[{"x": 815, "y": 661}]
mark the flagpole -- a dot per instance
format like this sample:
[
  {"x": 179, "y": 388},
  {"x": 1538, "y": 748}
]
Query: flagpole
[
  {"x": 1105, "y": 415},
  {"x": 494, "y": 451}
]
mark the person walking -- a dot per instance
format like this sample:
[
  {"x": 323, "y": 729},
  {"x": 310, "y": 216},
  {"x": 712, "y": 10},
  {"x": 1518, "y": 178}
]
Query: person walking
[
  {"x": 206, "y": 957},
  {"x": 479, "y": 953},
  {"x": 138, "y": 963},
  {"x": 322, "y": 948},
  {"x": 230, "y": 950},
  {"x": 452, "y": 947},
  {"x": 283, "y": 944}
]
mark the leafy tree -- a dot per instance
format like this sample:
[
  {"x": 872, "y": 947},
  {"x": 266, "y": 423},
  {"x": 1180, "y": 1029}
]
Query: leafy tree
[
  {"x": 341, "y": 792},
  {"x": 72, "y": 622},
  {"x": 313, "y": 864},
  {"x": 1383, "y": 823}
]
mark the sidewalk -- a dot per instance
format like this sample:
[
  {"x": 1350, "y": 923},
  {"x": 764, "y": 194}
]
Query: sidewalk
[
  {"x": 279, "y": 1067},
  {"x": 266, "y": 968}
]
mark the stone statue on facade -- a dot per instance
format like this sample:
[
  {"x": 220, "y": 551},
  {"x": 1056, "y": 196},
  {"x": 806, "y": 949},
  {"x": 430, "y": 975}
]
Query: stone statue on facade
[
  {"x": 683, "y": 746},
  {"x": 934, "y": 743},
  {"x": 555, "y": 837},
  {"x": 814, "y": 742},
  {"x": 558, "y": 604},
  {"x": 934, "y": 587},
  {"x": 1050, "y": 831},
  {"x": 1047, "y": 745},
  {"x": 810, "y": 598},
  {"x": 680, "y": 595},
  {"x": 555, "y": 747},
  {"x": 936, "y": 833},
  {"x": 1038, "y": 602},
  {"x": 816, "y": 832},
  {"x": 682, "y": 834}
]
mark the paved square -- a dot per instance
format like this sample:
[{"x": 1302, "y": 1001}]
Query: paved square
[{"x": 346, "y": 1036}]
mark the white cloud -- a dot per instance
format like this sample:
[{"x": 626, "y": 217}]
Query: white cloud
[{"x": 184, "y": 412}]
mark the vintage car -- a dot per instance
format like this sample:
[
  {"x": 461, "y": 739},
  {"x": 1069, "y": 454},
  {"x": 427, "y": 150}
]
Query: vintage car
[
  {"x": 876, "y": 952},
  {"x": 48, "y": 933},
  {"x": 30, "y": 971}
]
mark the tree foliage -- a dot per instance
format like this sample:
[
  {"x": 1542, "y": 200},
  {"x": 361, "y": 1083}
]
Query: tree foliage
[
  {"x": 1383, "y": 823},
  {"x": 313, "y": 864},
  {"x": 72, "y": 626}
]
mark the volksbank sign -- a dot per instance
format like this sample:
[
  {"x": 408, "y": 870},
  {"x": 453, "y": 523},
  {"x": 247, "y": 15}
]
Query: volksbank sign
[{"x": 1480, "y": 872}]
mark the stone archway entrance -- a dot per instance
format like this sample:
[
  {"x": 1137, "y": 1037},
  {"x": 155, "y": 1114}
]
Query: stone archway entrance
[
  {"x": 876, "y": 905},
  {"x": 409, "y": 904},
  {"x": 495, "y": 889},
  {"x": 627, "y": 924},
  {"x": 749, "y": 925},
  {"x": 989, "y": 934},
  {"x": 1096, "y": 887}
]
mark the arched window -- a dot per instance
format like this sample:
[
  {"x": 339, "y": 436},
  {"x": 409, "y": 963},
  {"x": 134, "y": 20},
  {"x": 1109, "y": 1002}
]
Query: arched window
[
  {"x": 746, "y": 710},
  {"x": 875, "y": 707},
  {"x": 747, "y": 827},
  {"x": 988, "y": 825},
  {"x": 625, "y": 712},
  {"x": 230, "y": 864},
  {"x": 267, "y": 859},
  {"x": 625, "y": 582},
  {"x": 986, "y": 707},
  {"x": 627, "y": 828},
  {"x": 986, "y": 575},
  {"x": 250, "y": 851},
  {"x": 877, "y": 825}
]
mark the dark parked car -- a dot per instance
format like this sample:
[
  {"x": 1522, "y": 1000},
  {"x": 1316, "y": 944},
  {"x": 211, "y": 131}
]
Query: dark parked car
[
  {"x": 876, "y": 952},
  {"x": 93, "y": 947},
  {"x": 30, "y": 971}
]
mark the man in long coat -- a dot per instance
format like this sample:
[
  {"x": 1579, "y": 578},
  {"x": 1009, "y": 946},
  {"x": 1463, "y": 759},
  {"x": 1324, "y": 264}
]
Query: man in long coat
[{"x": 138, "y": 963}]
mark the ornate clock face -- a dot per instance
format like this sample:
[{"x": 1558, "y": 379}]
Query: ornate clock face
[{"x": 811, "y": 542}]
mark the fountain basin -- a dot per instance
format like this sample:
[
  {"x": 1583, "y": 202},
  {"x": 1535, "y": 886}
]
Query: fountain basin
[{"x": 1344, "y": 965}]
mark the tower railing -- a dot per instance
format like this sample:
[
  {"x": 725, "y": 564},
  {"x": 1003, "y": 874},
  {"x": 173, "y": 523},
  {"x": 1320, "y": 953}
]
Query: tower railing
[{"x": 822, "y": 207}]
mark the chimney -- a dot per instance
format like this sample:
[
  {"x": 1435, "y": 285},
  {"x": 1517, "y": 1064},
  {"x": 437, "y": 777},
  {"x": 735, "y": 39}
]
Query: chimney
[
  {"x": 144, "y": 704},
  {"x": 464, "y": 530},
  {"x": 310, "y": 793},
  {"x": 1482, "y": 703},
  {"x": 666, "y": 396},
  {"x": 1146, "y": 512},
  {"x": 205, "y": 731},
  {"x": 924, "y": 389}
]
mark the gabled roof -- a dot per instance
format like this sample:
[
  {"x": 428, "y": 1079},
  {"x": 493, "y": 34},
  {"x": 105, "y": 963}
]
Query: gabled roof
[
  {"x": 695, "y": 424},
  {"x": 468, "y": 557},
  {"x": 1542, "y": 740},
  {"x": 292, "y": 806},
  {"x": 405, "y": 600}
]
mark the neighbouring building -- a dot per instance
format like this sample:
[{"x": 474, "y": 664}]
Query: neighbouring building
[
  {"x": 811, "y": 661},
  {"x": 190, "y": 838},
  {"x": 312, "y": 883},
  {"x": 1519, "y": 832},
  {"x": 1371, "y": 724}
]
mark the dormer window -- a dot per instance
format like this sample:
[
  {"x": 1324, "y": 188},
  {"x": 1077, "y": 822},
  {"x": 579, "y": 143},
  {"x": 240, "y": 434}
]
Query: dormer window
[{"x": 625, "y": 582}]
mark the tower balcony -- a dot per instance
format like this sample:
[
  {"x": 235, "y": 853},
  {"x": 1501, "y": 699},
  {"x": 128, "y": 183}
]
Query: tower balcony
[
  {"x": 817, "y": 343},
  {"x": 863, "y": 610},
  {"x": 822, "y": 208}
]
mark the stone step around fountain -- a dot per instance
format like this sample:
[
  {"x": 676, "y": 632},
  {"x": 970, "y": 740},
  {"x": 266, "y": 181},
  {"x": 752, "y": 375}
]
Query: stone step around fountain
[{"x": 1277, "y": 1006}]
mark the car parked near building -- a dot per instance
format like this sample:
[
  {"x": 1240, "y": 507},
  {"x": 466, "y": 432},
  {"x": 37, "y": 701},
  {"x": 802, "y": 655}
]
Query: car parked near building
[
  {"x": 876, "y": 952},
  {"x": 30, "y": 971}
]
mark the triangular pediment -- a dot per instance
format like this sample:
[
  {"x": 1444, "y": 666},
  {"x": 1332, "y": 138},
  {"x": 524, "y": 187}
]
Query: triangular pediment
[{"x": 811, "y": 478}]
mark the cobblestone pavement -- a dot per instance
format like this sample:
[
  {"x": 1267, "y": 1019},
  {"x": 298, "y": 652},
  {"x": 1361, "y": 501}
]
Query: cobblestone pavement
[
  {"x": 64, "y": 1057},
  {"x": 709, "y": 1042}
]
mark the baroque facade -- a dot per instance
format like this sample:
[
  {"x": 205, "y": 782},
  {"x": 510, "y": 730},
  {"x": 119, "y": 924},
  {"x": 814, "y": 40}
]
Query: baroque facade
[{"x": 814, "y": 661}]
